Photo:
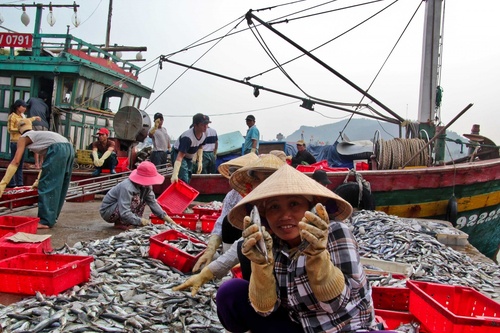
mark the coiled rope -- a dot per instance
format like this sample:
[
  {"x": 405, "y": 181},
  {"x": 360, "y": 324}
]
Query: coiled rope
[{"x": 395, "y": 153}]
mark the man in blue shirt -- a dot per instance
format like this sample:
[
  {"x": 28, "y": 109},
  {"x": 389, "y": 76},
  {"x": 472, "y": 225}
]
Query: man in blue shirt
[{"x": 252, "y": 138}]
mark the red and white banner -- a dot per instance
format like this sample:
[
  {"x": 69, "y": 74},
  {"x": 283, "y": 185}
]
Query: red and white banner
[{"x": 9, "y": 39}]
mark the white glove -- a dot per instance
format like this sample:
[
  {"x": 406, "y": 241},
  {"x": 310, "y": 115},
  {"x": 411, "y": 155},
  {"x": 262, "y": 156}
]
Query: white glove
[{"x": 175, "y": 173}]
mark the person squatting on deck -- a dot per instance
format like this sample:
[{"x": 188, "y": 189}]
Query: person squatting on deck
[
  {"x": 103, "y": 153},
  {"x": 189, "y": 146},
  {"x": 161, "y": 142},
  {"x": 325, "y": 289},
  {"x": 124, "y": 204},
  {"x": 54, "y": 178}
]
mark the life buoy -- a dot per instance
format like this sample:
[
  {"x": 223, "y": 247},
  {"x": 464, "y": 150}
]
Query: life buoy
[
  {"x": 452, "y": 211},
  {"x": 350, "y": 193}
]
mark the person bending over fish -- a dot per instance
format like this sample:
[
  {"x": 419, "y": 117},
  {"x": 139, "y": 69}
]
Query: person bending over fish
[
  {"x": 124, "y": 204},
  {"x": 324, "y": 290}
]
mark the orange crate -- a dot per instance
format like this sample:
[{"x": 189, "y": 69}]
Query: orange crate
[
  {"x": 170, "y": 255},
  {"x": 177, "y": 197},
  {"x": 21, "y": 196},
  {"x": 453, "y": 309},
  {"x": 49, "y": 274},
  {"x": 8, "y": 224},
  {"x": 208, "y": 222},
  {"x": 9, "y": 248}
]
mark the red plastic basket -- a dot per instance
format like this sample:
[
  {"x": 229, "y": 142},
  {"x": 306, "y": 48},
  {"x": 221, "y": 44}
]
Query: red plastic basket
[
  {"x": 453, "y": 309},
  {"x": 170, "y": 255},
  {"x": 8, "y": 224},
  {"x": 199, "y": 209},
  {"x": 49, "y": 274},
  {"x": 188, "y": 221},
  {"x": 21, "y": 196},
  {"x": 306, "y": 168},
  {"x": 122, "y": 165},
  {"x": 392, "y": 305},
  {"x": 9, "y": 248},
  {"x": 177, "y": 197},
  {"x": 208, "y": 222},
  {"x": 155, "y": 219}
]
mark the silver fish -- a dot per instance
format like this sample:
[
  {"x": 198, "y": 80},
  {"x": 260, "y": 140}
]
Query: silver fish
[{"x": 261, "y": 244}]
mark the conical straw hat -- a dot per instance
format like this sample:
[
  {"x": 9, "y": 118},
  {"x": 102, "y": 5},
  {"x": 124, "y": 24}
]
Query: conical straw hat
[
  {"x": 288, "y": 181},
  {"x": 238, "y": 162},
  {"x": 241, "y": 180}
]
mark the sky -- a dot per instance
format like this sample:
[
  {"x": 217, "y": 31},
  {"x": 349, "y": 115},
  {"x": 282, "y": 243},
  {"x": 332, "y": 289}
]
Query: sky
[{"x": 470, "y": 70}]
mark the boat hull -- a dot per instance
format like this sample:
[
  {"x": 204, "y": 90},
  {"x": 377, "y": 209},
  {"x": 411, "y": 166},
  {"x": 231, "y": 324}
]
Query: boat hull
[{"x": 420, "y": 193}]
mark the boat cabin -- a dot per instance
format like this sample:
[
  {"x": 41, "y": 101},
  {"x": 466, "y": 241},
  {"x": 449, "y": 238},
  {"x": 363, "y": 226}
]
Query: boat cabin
[{"x": 86, "y": 84}]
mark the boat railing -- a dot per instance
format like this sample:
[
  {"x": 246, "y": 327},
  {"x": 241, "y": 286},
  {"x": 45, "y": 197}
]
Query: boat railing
[{"x": 69, "y": 44}]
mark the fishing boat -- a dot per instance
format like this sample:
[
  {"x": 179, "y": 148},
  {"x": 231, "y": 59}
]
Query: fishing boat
[
  {"x": 88, "y": 86},
  {"x": 464, "y": 191}
]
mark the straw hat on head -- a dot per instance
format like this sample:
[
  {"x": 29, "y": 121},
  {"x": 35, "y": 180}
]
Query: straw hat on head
[
  {"x": 279, "y": 153},
  {"x": 238, "y": 162},
  {"x": 241, "y": 180},
  {"x": 288, "y": 181}
]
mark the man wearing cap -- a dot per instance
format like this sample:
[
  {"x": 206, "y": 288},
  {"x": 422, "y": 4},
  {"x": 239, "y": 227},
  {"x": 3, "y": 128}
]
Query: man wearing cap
[
  {"x": 161, "y": 142},
  {"x": 209, "y": 151},
  {"x": 124, "y": 204},
  {"x": 103, "y": 153},
  {"x": 55, "y": 176},
  {"x": 302, "y": 156},
  {"x": 189, "y": 146},
  {"x": 252, "y": 138}
]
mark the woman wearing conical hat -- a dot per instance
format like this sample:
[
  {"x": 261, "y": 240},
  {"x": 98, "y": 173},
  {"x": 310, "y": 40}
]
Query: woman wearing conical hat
[
  {"x": 256, "y": 170},
  {"x": 320, "y": 288}
]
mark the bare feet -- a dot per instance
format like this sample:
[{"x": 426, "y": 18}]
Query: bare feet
[{"x": 42, "y": 226}]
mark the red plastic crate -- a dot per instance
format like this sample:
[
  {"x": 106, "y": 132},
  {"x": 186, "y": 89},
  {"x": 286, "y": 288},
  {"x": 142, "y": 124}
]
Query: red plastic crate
[
  {"x": 9, "y": 248},
  {"x": 335, "y": 169},
  {"x": 122, "y": 165},
  {"x": 453, "y": 309},
  {"x": 177, "y": 197},
  {"x": 236, "y": 272},
  {"x": 306, "y": 168},
  {"x": 8, "y": 224},
  {"x": 321, "y": 164},
  {"x": 155, "y": 219},
  {"x": 49, "y": 274},
  {"x": 188, "y": 221},
  {"x": 208, "y": 222},
  {"x": 170, "y": 255},
  {"x": 199, "y": 209},
  {"x": 24, "y": 195},
  {"x": 392, "y": 305}
]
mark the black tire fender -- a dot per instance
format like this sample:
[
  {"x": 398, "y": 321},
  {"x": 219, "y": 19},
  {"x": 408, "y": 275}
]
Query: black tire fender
[
  {"x": 350, "y": 192},
  {"x": 452, "y": 211}
]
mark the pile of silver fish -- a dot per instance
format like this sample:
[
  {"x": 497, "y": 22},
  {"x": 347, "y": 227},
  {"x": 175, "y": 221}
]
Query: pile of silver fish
[
  {"x": 130, "y": 292},
  {"x": 411, "y": 241}
]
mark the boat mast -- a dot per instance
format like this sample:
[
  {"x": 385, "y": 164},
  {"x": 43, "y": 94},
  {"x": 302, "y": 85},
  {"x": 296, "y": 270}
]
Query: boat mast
[{"x": 429, "y": 71}]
